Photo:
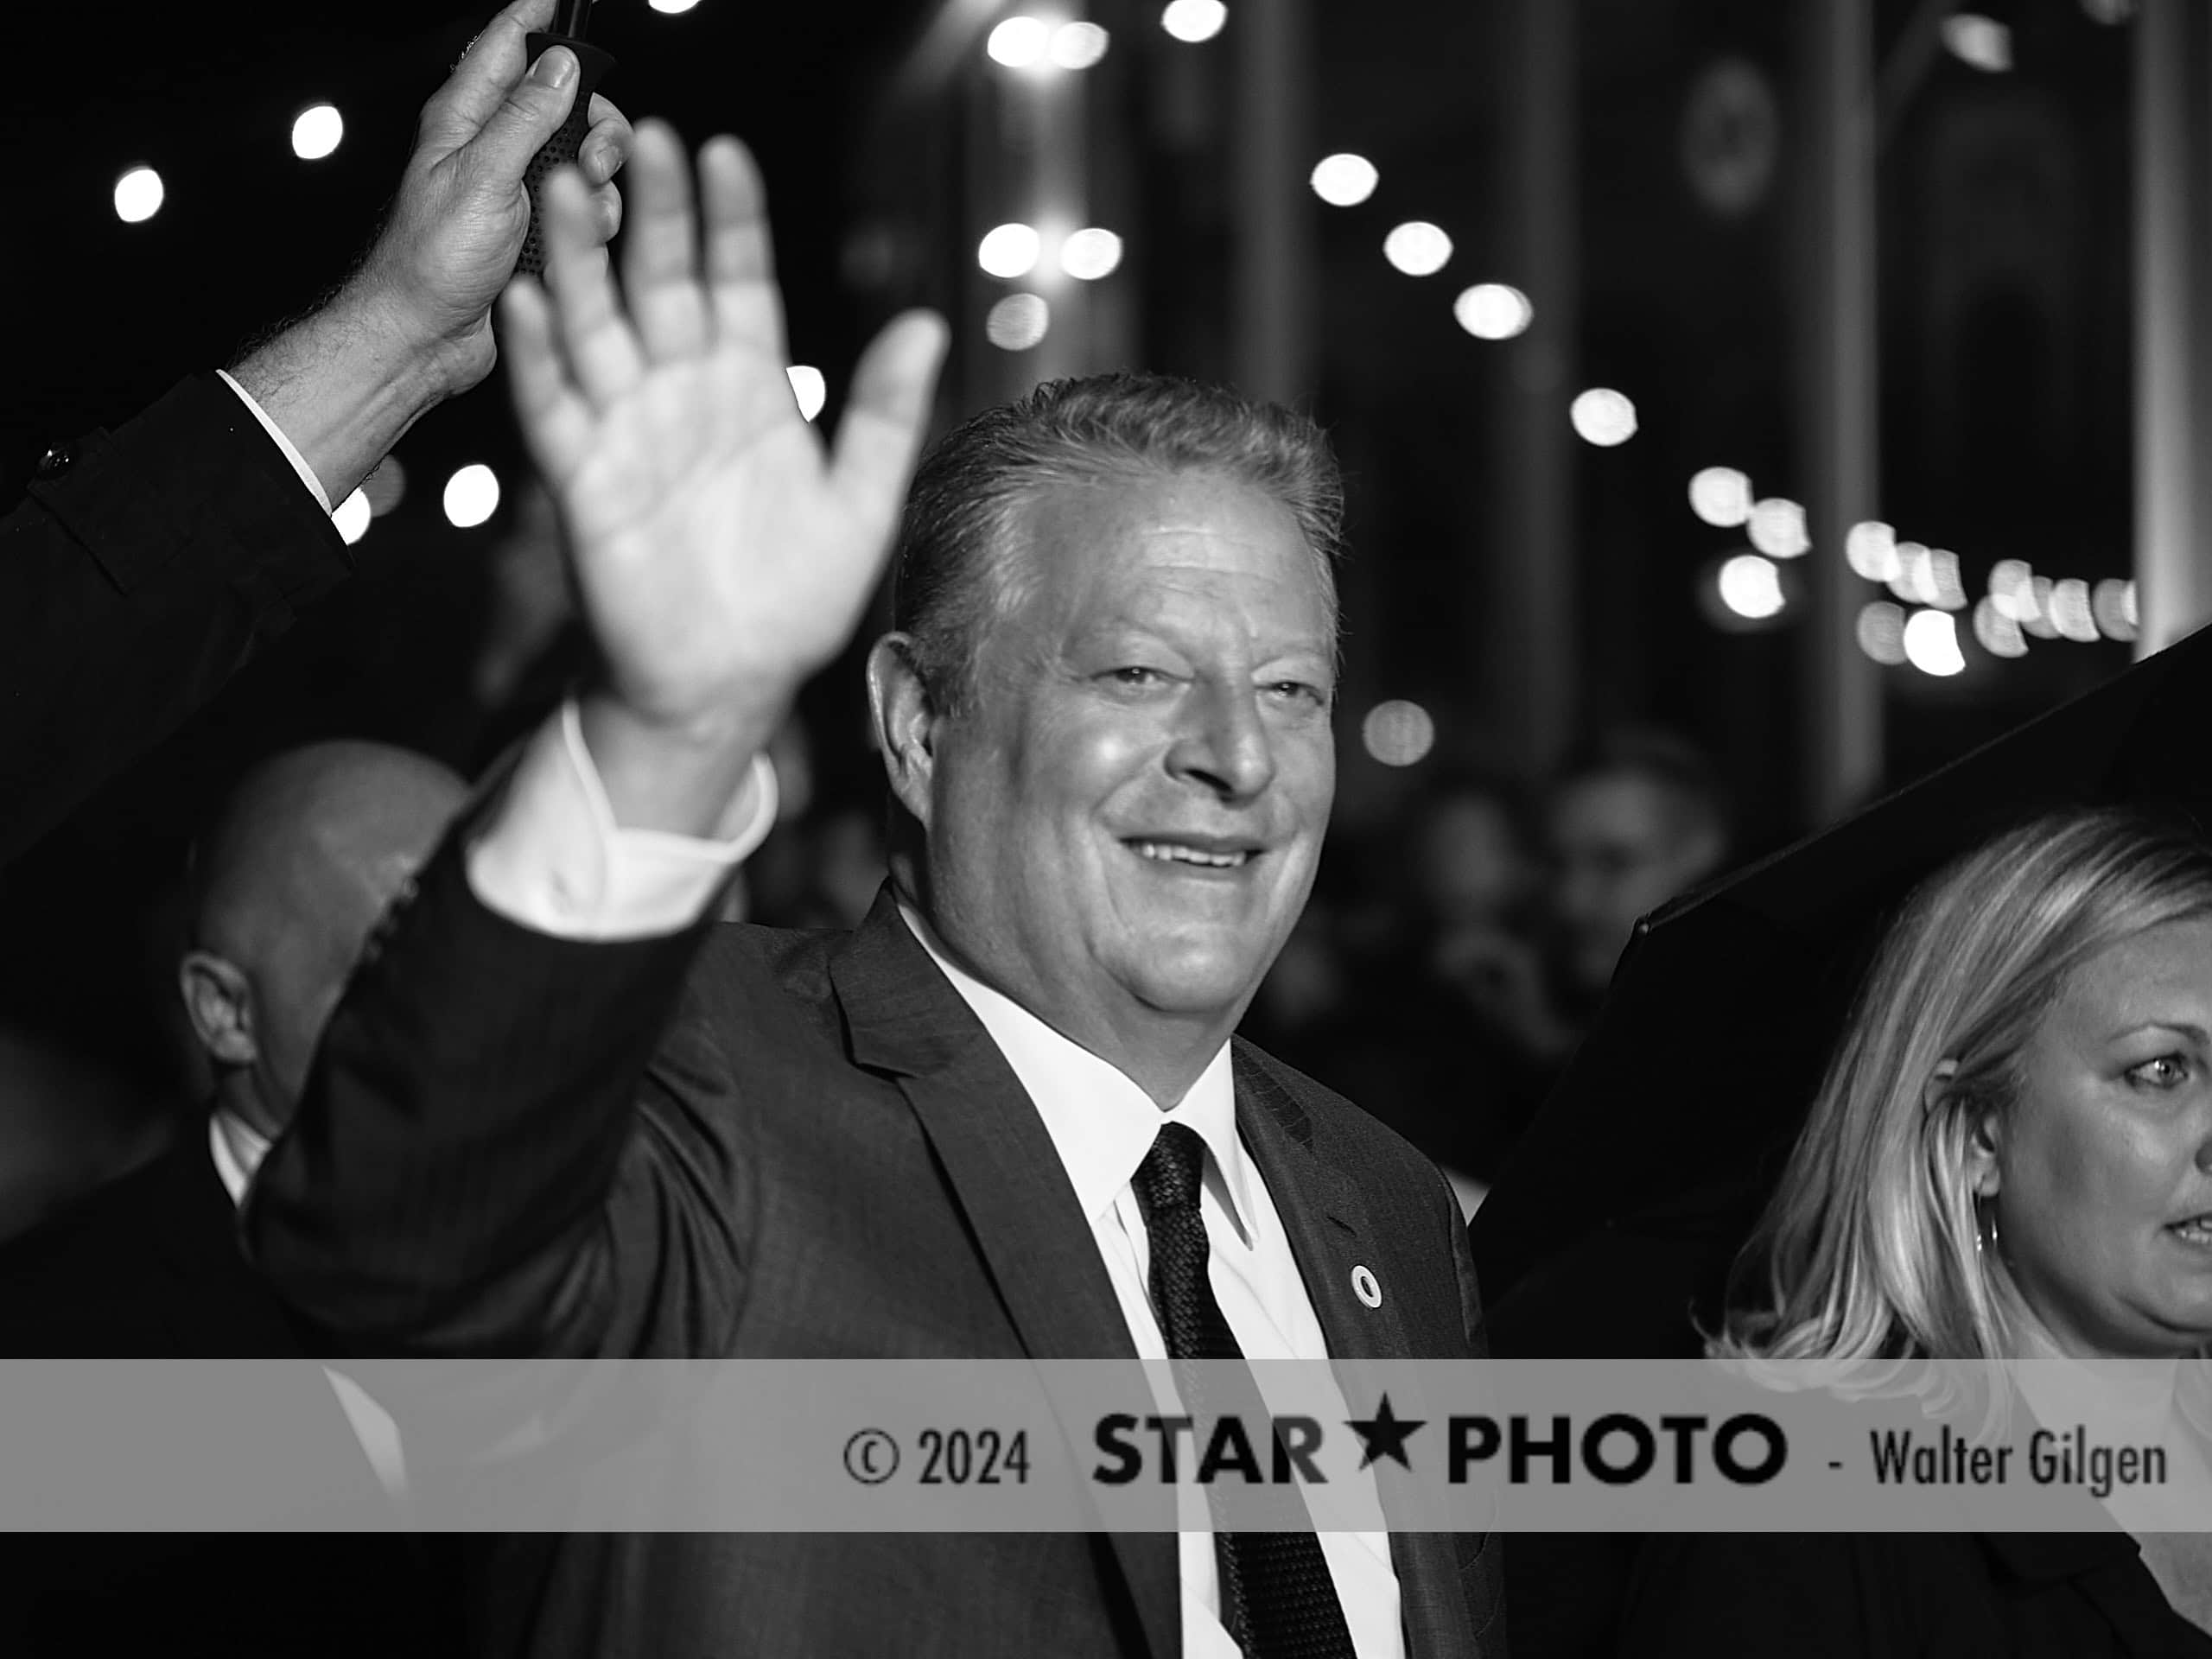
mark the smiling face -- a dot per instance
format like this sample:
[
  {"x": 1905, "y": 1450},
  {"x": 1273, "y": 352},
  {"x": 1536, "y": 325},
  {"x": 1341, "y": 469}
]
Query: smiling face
[
  {"x": 2103, "y": 1165},
  {"x": 1123, "y": 827}
]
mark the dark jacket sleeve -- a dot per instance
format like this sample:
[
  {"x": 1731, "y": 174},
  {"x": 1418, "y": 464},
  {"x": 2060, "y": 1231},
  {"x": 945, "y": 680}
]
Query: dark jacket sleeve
[
  {"x": 134, "y": 581},
  {"x": 510, "y": 1145}
]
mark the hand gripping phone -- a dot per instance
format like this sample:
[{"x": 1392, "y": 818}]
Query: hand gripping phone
[{"x": 571, "y": 18}]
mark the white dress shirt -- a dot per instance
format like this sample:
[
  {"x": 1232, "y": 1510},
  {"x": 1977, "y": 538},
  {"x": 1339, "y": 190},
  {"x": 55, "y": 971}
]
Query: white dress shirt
[
  {"x": 291, "y": 454},
  {"x": 554, "y": 860}
]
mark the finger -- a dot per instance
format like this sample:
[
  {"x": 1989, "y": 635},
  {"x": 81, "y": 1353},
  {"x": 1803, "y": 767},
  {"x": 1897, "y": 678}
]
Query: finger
[
  {"x": 739, "y": 256},
  {"x": 530, "y": 113},
  {"x": 555, "y": 420},
  {"x": 608, "y": 145},
  {"x": 887, "y": 413},
  {"x": 493, "y": 62},
  {"x": 660, "y": 275},
  {"x": 607, "y": 204},
  {"x": 601, "y": 347}
]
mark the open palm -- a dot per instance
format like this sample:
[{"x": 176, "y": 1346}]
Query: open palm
[{"x": 722, "y": 552}]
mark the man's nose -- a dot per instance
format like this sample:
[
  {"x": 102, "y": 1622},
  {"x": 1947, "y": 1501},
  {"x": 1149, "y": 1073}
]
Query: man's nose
[{"x": 1223, "y": 742}]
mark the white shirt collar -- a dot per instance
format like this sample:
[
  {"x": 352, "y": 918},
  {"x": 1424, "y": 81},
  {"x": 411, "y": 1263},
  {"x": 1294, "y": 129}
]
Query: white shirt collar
[
  {"x": 238, "y": 1149},
  {"x": 1102, "y": 1123}
]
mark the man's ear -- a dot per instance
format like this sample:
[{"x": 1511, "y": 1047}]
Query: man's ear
[
  {"x": 904, "y": 717},
  {"x": 219, "y": 1003}
]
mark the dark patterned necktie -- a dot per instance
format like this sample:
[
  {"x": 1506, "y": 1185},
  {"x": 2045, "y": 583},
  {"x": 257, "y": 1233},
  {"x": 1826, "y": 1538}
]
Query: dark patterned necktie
[{"x": 1277, "y": 1599}]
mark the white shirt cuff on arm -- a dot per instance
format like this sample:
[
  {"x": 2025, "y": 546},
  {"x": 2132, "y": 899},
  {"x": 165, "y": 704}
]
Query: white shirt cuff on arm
[
  {"x": 299, "y": 461},
  {"x": 554, "y": 860}
]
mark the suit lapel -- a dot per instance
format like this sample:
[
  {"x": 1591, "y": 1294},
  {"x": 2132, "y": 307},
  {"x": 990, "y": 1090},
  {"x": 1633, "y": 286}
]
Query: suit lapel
[
  {"x": 1336, "y": 1247},
  {"x": 1006, "y": 1175}
]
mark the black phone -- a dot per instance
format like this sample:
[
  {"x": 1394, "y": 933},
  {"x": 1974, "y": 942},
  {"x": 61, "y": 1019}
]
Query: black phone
[{"x": 570, "y": 19}]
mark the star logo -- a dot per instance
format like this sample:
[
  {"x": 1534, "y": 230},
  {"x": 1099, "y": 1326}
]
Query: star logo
[{"x": 1384, "y": 1435}]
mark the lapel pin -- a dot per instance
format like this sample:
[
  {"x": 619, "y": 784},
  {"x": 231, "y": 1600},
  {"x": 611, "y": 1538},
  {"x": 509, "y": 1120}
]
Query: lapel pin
[{"x": 1363, "y": 1287}]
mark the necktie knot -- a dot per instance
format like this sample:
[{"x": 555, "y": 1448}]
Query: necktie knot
[{"x": 1167, "y": 1180}]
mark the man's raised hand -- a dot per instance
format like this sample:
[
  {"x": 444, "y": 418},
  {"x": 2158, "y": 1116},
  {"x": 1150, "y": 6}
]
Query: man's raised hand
[{"x": 722, "y": 552}]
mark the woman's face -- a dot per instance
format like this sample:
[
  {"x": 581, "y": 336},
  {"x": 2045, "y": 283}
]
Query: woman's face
[{"x": 2103, "y": 1169}]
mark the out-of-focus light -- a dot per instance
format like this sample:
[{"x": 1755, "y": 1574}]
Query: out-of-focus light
[
  {"x": 1721, "y": 495},
  {"x": 2032, "y": 608},
  {"x": 2070, "y": 611},
  {"x": 1981, "y": 41},
  {"x": 1493, "y": 311},
  {"x": 316, "y": 131},
  {"x": 1017, "y": 323},
  {"x": 1076, "y": 46},
  {"x": 1398, "y": 732},
  {"x": 386, "y": 486},
  {"x": 1915, "y": 580},
  {"x": 1777, "y": 528},
  {"x": 1090, "y": 254},
  {"x": 2113, "y": 605},
  {"x": 673, "y": 6},
  {"x": 1870, "y": 548},
  {"x": 1010, "y": 250},
  {"x": 1603, "y": 416},
  {"x": 1931, "y": 644},
  {"x": 1418, "y": 248},
  {"x": 1945, "y": 585},
  {"x": 472, "y": 496},
  {"x": 2011, "y": 584},
  {"x": 1018, "y": 41},
  {"x": 1998, "y": 633},
  {"x": 1345, "y": 180},
  {"x": 1750, "y": 586},
  {"x": 1194, "y": 20},
  {"x": 1881, "y": 632},
  {"x": 809, "y": 387},
  {"x": 138, "y": 195},
  {"x": 2109, "y": 11},
  {"x": 353, "y": 518}
]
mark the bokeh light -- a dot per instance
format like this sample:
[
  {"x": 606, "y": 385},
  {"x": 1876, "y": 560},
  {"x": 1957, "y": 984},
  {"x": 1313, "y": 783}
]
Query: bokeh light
[
  {"x": 2113, "y": 605},
  {"x": 316, "y": 132},
  {"x": 1018, "y": 41},
  {"x": 1871, "y": 549},
  {"x": 1750, "y": 586},
  {"x": 1418, "y": 248},
  {"x": 809, "y": 387},
  {"x": 2032, "y": 608},
  {"x": 1945, "y": 583},
  {"x": 2011, "y": 583},
  {"x": 1194, "y": 20},
  {"x": 1493, "y": 311},
  {"x": 353, "y": 518},
  {"x": 1345, "y": 180},
  {"x": 1398, "y": 732},
  {"x": 2070, "y": 611},
  {"x": 138, "y": 195},
  {"x": 1090, "y": 254},
  {"x": 673, "y": 6},
  {"x": 1077, "y": 46},
  {"x": 1981, "y": 41},
  {"x": 1931, "y": 644},
  {"x": 1017, "y": 323},
  {"x": 1881, "y": 632},
  {"x": 1603, "y": 416},
  {"x": 1721, "y": 495},
  {"x": 472, "y": 496},
  {"x": 1998, "y": 633},
  {"x": 1010, "y": 250},
  {"x": 1777, "y": 528}
]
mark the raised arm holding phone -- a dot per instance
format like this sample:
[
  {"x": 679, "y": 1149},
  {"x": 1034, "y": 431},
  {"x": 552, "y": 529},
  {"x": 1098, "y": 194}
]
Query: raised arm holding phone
[{"x": 147, "y": 565}]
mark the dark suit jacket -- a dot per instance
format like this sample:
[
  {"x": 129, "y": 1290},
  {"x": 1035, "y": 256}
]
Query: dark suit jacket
[
  {"x": 136, "y": 577},
  {"x": 797, "y": 1144},
  {"x": 149, "y": 1266},
  {"x": 2059, "y": 1595}
]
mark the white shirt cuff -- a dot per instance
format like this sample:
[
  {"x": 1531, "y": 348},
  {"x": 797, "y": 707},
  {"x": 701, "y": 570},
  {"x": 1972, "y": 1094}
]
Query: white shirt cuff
[
  {"x": 299, "y": 461},
  {"x": 554, "y": 860}
]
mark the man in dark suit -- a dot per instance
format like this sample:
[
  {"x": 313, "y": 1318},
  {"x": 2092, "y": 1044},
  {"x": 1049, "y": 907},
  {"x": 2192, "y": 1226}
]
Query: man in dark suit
[
  {"x": 309, "y": 850},
  {"x": 145, "y": 567},
  {"x": 560, "y": 1112}
]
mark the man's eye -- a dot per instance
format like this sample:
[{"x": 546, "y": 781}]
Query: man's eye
[
  {"x": 2167, "y": 1071},
  {"x": 1297, "y": 691},
  {"x": 1134, "y": 676}
]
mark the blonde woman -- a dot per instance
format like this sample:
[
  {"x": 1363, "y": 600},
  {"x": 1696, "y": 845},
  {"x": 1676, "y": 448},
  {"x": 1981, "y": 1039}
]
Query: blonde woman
[{"x": 2011, "y": 1157}]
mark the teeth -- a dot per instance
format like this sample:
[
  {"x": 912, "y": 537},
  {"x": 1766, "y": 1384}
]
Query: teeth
[{"x": 1168, "y": 852}]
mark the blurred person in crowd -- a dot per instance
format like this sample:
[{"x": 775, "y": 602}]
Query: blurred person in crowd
[
  {"x": 146, "y": 566},
  {"x": 1634, "y": 818},
  {"x": 309, "y": 851},
  {"x": 2010, "y": 1158},
  {"x": 957, "y": 1129}
]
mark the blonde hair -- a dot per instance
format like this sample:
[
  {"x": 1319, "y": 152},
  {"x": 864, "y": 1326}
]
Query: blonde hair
[{"x": 1869, "y": 1249}]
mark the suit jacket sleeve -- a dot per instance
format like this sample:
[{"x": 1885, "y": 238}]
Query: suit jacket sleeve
[
  {"x": 134, "y": 583},
  {"x": 510, "y": 1145}
]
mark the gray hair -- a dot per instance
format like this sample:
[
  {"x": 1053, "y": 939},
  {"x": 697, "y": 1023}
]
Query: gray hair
[{"x": 955, "y": 575}]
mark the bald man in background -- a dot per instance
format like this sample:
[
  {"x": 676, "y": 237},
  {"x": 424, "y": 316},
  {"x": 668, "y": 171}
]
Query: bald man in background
[{"x": 287, "y": 886}]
